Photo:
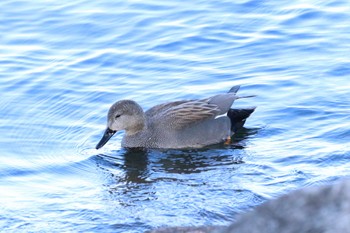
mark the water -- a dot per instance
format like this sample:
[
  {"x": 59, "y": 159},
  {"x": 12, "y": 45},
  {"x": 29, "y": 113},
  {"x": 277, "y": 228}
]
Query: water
[{"x": 63, "y": 63}]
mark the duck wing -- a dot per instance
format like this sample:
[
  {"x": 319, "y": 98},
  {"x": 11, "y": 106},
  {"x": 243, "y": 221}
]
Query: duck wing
[
  {"x": 161, "y": 108},
  {"x": 183, "y": 114},
  {"x": 222, "y": 101}
]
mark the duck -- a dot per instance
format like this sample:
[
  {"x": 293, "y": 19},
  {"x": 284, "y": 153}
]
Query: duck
[{"x": 179, "y": 124}]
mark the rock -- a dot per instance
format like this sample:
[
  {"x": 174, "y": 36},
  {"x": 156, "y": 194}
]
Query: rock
[
  {"x": 319, "y": 209},
  {"x": 314, "y": 209}
]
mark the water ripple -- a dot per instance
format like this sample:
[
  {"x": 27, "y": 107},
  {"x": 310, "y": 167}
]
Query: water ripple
[{"x": 63, "y": 64}]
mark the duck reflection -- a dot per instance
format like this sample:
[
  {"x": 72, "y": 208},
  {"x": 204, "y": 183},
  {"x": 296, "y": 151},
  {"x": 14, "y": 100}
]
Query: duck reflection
[
  {"x": 127, "y": 166},
  {"x": 150, "y": 165},
  {"x": 133, "y": 177}
]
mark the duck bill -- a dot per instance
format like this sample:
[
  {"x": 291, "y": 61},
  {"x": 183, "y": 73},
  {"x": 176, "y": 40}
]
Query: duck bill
[{"x": 106, "y": 136}]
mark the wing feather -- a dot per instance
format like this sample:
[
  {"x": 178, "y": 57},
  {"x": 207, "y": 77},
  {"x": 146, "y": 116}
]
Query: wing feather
[{"x": 190, "y": 112}]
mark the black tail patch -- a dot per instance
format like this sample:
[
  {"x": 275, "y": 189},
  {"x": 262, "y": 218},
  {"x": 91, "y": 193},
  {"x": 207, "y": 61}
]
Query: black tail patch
[{"x": 238, "y": 117}]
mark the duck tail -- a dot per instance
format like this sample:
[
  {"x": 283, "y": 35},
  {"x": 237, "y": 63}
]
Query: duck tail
[
  {"x": 238, "y": 117},
  {"x": 234, "y": 89},
  {"x": 246, "y": 96}
]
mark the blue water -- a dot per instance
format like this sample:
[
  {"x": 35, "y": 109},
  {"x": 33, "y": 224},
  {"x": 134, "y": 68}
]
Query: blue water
[{"x": 63, "y": 63}]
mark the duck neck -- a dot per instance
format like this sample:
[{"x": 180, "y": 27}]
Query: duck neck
[{"x": 137, "y": 127}]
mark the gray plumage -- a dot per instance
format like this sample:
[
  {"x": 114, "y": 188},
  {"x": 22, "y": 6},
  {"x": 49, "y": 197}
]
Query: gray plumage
[{"x": 179, "y": 124}]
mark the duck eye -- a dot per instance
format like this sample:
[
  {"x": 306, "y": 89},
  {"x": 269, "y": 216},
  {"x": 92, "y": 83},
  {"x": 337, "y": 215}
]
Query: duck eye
[{"x": 117, "y": 116}]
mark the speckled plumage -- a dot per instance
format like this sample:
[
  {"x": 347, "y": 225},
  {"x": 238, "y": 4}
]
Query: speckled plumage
[{"x": 178, "y": 124}]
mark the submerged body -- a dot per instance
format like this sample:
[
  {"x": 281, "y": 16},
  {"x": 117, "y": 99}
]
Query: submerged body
[{"x": 179, "y": 124}]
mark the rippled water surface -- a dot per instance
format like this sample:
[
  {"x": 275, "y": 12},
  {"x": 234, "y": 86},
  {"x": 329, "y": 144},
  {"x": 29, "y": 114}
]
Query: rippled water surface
[{"x": 62, "y": 63}]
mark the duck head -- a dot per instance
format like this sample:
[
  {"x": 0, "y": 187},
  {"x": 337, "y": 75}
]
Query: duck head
[{"x": 123, "y": 115}]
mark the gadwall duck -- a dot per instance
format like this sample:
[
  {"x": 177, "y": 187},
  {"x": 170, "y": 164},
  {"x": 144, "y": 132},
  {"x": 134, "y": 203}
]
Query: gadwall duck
[{"x": 179, "y": 124}]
